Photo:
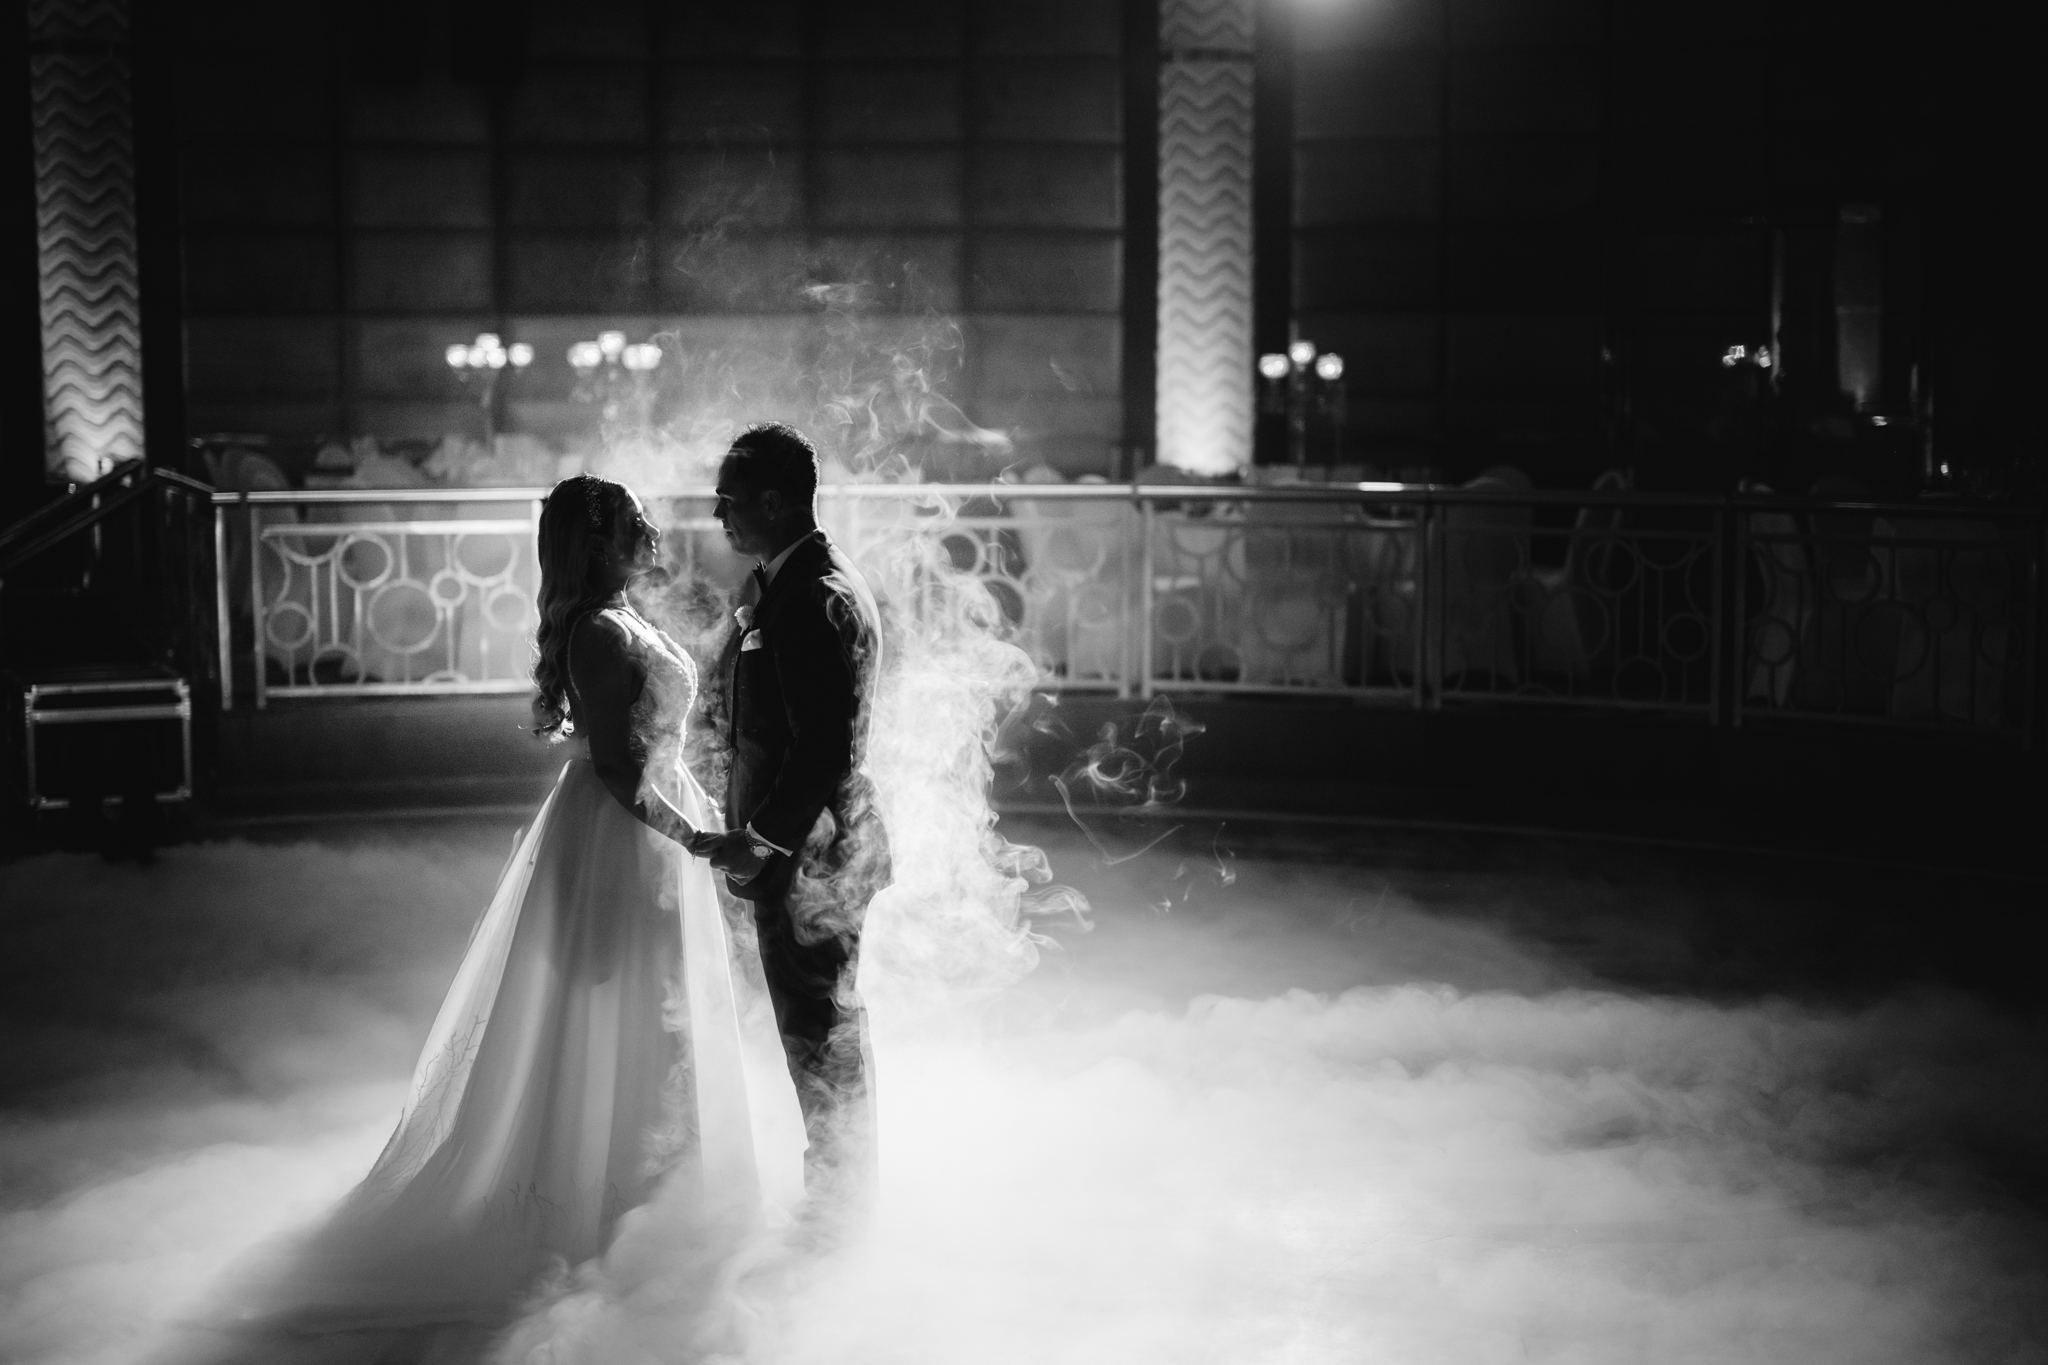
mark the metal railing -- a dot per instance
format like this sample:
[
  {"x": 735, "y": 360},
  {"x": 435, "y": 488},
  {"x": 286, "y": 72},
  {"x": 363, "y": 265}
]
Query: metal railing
[
  {"x": 386, "y": 592},
  {"x": 1726, "y": 609},
  {"x": 135, "y": 540}
]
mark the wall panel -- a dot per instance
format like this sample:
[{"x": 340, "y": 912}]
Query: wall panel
[{"x": 399, "y": 183}]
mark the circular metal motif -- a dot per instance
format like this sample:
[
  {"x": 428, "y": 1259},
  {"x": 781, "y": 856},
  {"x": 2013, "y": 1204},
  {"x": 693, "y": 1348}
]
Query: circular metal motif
[
  {"x": 283, "y": 611},
  {"x": 402, "y": 617},
  {"x": 470, "y": 547},
  {"x": 447, "y": 589},
  {"x": 1176, "y": 619},
  {"x": 508, "y": 607},
  {"x": 1686, "y": 638},
  {"x": 351, "y": 564}
]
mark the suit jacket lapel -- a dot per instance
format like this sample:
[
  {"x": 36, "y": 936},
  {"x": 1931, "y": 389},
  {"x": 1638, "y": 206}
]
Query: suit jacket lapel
[{"x": 800, "y": 564}]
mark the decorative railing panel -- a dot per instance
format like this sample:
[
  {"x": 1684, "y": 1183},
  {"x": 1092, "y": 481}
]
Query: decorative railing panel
[
  {"x": 1730, "y": 610},
  {"x": 1901, "y": 615},
  {"x": 1281, "y": 596},
  {"x": 390, "y": 598},
  {"x": 1617, "y": 610}
]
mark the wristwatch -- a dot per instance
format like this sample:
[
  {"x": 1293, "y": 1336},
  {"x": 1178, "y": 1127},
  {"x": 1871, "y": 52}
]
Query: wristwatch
[{"x": 759, "y": 847}]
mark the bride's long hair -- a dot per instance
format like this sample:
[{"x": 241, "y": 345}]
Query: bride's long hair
[{"x": 576, "y": 524}]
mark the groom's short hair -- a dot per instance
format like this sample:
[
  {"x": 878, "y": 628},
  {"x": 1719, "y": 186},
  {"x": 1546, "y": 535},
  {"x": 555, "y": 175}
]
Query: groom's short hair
[{"x": 778, "y": 456}]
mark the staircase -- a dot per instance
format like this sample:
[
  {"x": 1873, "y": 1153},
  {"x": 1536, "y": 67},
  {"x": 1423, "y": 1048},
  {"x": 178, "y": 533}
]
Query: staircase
[{"x": 106, "y": 642}]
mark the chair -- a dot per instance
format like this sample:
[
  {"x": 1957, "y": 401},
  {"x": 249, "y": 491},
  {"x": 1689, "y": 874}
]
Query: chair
[
  {"x": 1952, "y": 598},
  {"x": 1075, "y": 597},
  {"x": 1291, "y": 619},
  {"x": 1850, "y": 651},
  {"x": 1486, "y": 547},
  {"x": 1787, "y": 612},
  {"x": 1568, "y": 620}
]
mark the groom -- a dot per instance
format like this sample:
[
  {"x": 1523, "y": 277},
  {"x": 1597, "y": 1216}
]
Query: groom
[{"x": 806, "y": 844}]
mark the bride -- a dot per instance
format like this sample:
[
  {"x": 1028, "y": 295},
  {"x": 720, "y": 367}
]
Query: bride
[{"x": 588, "y": 1049}]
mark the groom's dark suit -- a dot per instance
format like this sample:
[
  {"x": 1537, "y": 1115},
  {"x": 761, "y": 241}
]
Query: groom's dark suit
[{"x": 799, "y": 683}]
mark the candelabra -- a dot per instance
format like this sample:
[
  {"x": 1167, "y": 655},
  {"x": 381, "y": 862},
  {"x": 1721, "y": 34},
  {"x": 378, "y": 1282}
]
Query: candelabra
[
  {"x": 1299, "y": 383},
  {"x": 479, "y": 364},
  {"x": 609, "y": 370}
]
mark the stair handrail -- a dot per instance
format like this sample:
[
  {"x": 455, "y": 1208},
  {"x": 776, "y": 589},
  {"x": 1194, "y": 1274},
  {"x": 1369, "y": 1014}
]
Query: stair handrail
[
  {"x": 85, "y": 507},
  {"x": 76, "y": 496}
]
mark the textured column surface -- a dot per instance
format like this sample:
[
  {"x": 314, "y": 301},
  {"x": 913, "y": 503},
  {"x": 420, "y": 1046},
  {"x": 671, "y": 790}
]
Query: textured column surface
[
  {"x": 1205, "y": 234},
  {"x": 85, "y": 234}
]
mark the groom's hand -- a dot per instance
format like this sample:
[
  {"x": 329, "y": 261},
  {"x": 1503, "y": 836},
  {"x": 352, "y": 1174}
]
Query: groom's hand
[{"x": 733, "y": 854}]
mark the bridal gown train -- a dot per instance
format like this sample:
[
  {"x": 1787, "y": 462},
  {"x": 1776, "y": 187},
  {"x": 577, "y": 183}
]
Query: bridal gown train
[{"x": 587, "y": 1052}]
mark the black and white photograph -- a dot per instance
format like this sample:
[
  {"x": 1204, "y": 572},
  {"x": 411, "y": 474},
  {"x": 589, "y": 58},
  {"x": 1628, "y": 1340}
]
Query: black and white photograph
[{"x": 1023, "y": 682}]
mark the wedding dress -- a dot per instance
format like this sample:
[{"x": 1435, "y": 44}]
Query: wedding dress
[{"x": 587, "y": 1053}]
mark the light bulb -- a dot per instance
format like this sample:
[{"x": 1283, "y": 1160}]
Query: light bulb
[
  {"x": 496, "y": 357},
  {"x": 584, "y": 355},
  {"x": 611, "y": 343},
  {"x": 487, "y": 340},
  {"x": 522, "y": 355},
  {"x": 1330, "y": 366},
  {"x": 1301, "y": 353},
  {"x": 1273, "y": 365},
  {"x": 478, "y": 358},
  {"x": 645, "y": 356},
  {"x": 458, "y": 356}
]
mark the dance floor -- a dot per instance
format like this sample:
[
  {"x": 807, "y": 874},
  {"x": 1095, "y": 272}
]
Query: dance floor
[{"x": 1339, "y": 1095}]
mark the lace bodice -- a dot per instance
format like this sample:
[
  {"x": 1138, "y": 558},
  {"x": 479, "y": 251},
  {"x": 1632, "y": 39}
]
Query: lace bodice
[{"x": 662, "y": 714}]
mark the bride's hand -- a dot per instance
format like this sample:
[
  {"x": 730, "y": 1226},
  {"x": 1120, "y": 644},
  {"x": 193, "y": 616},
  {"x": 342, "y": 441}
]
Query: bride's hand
[{"x": 669, "y": 821}]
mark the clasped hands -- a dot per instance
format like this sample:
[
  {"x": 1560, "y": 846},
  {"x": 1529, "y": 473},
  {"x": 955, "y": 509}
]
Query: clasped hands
[{"x": 731, "y": 852}]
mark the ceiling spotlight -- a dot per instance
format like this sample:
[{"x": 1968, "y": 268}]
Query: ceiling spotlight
[
  {"x": 1330, "y": 366},
  {"x": 458, "y": 356},
  {"x": 521, "y": 354},
  {"x": 644, "y": 356},
  {"x": 1273, "y": 365},
  {"x": 612, "y": 344},
  {"x": 1301, "y": 353},
  {"x": 585, "y": 355}
]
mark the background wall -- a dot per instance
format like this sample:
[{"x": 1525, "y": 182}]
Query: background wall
[
  {"x": 366, "y": 183},
  {"x": 1532, "y": 225}
]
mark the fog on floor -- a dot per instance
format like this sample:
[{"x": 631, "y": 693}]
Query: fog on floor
[{"x": 1271, "y": 1107}]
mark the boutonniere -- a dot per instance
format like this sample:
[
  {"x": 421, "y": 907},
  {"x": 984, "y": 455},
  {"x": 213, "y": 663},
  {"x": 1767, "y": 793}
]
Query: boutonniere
[{"x": 744, "y": 616}]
